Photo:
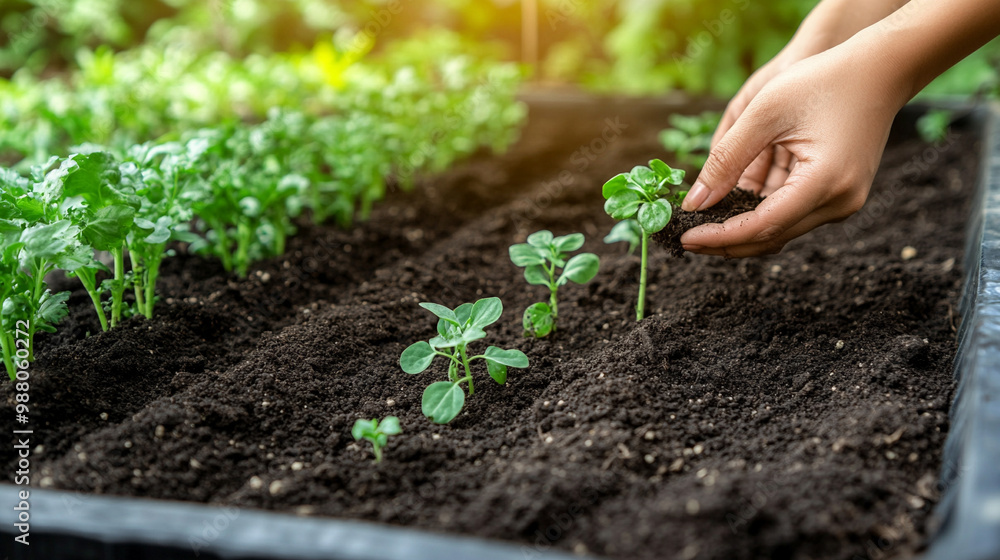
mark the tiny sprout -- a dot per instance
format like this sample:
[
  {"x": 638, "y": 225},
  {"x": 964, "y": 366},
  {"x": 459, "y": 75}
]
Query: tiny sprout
[
  {"x": 647, "y": 194},
  {"x": 540, "y": 257},
  {"x": 375, "y": 432},
  {"x": 690, "y": 137},
  {"x": 625, "y": 230},
  {"x": 442, "y": 401}
]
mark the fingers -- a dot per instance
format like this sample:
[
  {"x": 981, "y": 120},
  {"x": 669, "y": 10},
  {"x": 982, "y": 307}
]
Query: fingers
[
  {"x": 769, "y": 247},
  {"x": 767, "y": 223},
  {"x": 750, "y": 135}
]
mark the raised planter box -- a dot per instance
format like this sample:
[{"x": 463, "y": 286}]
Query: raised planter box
[
  {"x": 69, "y": 525},
  {"x": 970, "y": 508}
]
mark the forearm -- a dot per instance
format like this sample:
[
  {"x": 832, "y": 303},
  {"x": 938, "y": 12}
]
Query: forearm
[
  {"x": 832, "y": 22},
  {"x": 926, "y": 37}
]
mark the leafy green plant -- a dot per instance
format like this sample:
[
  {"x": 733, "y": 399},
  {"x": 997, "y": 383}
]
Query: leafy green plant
[
  {"x": 933, "y": 125},
  {"x": 690, "y": 137},
  {"x": 625, "y": 230},
  {"x": 647, "y": 194},
  {"x": 376, "y": 432},
  {"x": 442, "y": 401},
  {"x": 541, "y": 257}
]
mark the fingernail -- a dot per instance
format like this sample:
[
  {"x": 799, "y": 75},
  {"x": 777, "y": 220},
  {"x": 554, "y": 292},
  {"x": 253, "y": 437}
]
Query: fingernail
[{"x": 695, "y": 197}]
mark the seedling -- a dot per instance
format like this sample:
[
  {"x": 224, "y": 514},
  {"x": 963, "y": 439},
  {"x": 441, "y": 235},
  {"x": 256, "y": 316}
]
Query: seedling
[
  {"x": 442, "y": 401},
  {"x": 647, "y": 194},
  {"x": 375, "y": 432},
  {"x": 541, "y": 256},
  {"x": 625, "y": 230},
  {"x": 690, "y": 137}
]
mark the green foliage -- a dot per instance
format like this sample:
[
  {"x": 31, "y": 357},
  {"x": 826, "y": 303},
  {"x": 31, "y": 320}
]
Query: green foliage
[
  {"x": 376, "y": 432},
  {"x": 625, "y": 230},
  {"x": 648, "y": 195},
  {"x": 541, "y": 257},
  {"x": 442, "y": 401},
  {"x": 690, "y": 137},
  {"x": 933, "y": 125}
]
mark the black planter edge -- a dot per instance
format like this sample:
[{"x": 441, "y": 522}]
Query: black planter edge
[
  {"x": 969, "y": 511},
  {"x": 69, "y": 525}
]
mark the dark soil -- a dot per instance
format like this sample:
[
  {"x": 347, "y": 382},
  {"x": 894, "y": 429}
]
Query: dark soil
[
  {"x": 793, "y": 406},
  {"x": 736, "y": 202}
]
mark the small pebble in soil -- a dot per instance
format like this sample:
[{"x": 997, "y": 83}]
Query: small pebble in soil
[
  {"x": 104, "y": 416},
  {"x": 276, "y": 487},
  {"x": 297, "y": 466},
  {"x": 649, "y": 459},
  {"x": 256, "y": 483},
  {"x": 137, "y": 473},
  {"x": 650, "y": 435},
  {"x": 692, "y": 507},
  {"x": 435, "y": 436},
  {"x": 194, "y": 464},
  {"x": 677, "y": 465},
  {"x": 548, "y": 439},
  {"x": 908, "y": 253},
  {"x": 390, "y": 402},
  {"x": 698, "y": 448},
  {"x": 47, "y": 482},
  {"x": 840, "y": 344},
  {"x": 588, "y": 443},
  {"x": 160, "y": 430},
  {"x": 127, "y": 444},
  {"x": 305, "y": 510},
  {"x": 736, "y": 202}
]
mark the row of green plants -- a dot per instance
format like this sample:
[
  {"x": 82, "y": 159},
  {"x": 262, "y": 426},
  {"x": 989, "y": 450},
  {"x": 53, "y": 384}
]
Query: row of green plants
[
  {"x": 643, "y": 199},
  {"x": 110, "y": 215}
]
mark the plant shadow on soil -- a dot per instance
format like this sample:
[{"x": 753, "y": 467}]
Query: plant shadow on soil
[{"x": 793, "y": 406}]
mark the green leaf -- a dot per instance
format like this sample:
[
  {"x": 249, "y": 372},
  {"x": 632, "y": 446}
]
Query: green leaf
[
  {"x": 568, "y": 243},
  {"x": 46, "y": 241},
  {"x": 442, "y": 401},
  {"x": 472, "y": 334},
  {"x": 536, "y": 275},
  {"x": 540, "y": 239},
  {"x": 442, "y": 312},
  {"x": 643, "y": 177},
  {"x": 580, "y": 269},
  {"x": 660, "y": 168},
  {"x": 486, "y": 312},
  {"x": 623, "y": 204},
  {"x": 390, "y": 426},
  {"x": 497, "y": 371},
  {"x": 107, "y": 228},
  {"x": 463, "y": 313},
  {"x": 512, "y": 358},
  {"x": 626, "y": 230},
  {"x": 538, "y": 320},
  {"x": 654, "y": 216},
  {"x": 363, "y": 428},
  {"x": 52, "y": 308},
  {"x": 617, "y": 183},
  {"x": 417, "y": 357},
  {"x": 523, "y": 254}
]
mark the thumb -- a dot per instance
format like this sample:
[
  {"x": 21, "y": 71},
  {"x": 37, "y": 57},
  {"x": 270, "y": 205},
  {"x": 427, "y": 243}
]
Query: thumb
[{"x": 749, "y": 136}]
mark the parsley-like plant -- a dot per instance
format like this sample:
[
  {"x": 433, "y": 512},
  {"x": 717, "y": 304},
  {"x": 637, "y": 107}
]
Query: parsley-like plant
[
  {"x": 376, "y": 432},
  {"x": 542, "y": 256},
  {"x": 442, "y": 401},
  {"x": 647, "y": 194}
]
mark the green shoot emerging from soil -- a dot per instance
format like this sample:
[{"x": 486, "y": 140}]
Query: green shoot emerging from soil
[
  {"x": 690, "y": 137},
  {"x": 625, "y": 230},
  {"x": 541, "y": 256},
  {"x": 375, "y": 432},
  {"x": 442, "y": 401},
  {"x": 647, "y": 194}
]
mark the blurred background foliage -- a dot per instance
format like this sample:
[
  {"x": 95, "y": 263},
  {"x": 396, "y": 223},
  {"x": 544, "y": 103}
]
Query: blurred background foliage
[{"x": 704, "y": 47}]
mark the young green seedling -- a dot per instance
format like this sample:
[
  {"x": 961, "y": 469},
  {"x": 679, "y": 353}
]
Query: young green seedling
[
  {"x": 442, "y": 401},
  {"x": 541, "y": 256},
  {"x": 647, "y": 194},
  {"x": 690, "y": 137},
  {"x": 625, "y": 230},
  {"x": 376, "y": 432}
]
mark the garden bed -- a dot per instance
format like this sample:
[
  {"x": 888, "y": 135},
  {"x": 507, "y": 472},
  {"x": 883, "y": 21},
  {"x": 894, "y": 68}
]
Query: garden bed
[{"x": 793, "y": 406}]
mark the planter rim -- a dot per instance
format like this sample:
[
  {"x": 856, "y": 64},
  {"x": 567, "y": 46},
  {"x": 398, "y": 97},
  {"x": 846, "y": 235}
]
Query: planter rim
[{"x": 969, "y": 510}]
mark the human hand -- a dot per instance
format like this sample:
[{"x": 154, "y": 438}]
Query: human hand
[{"x": 832, "y": 123}]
